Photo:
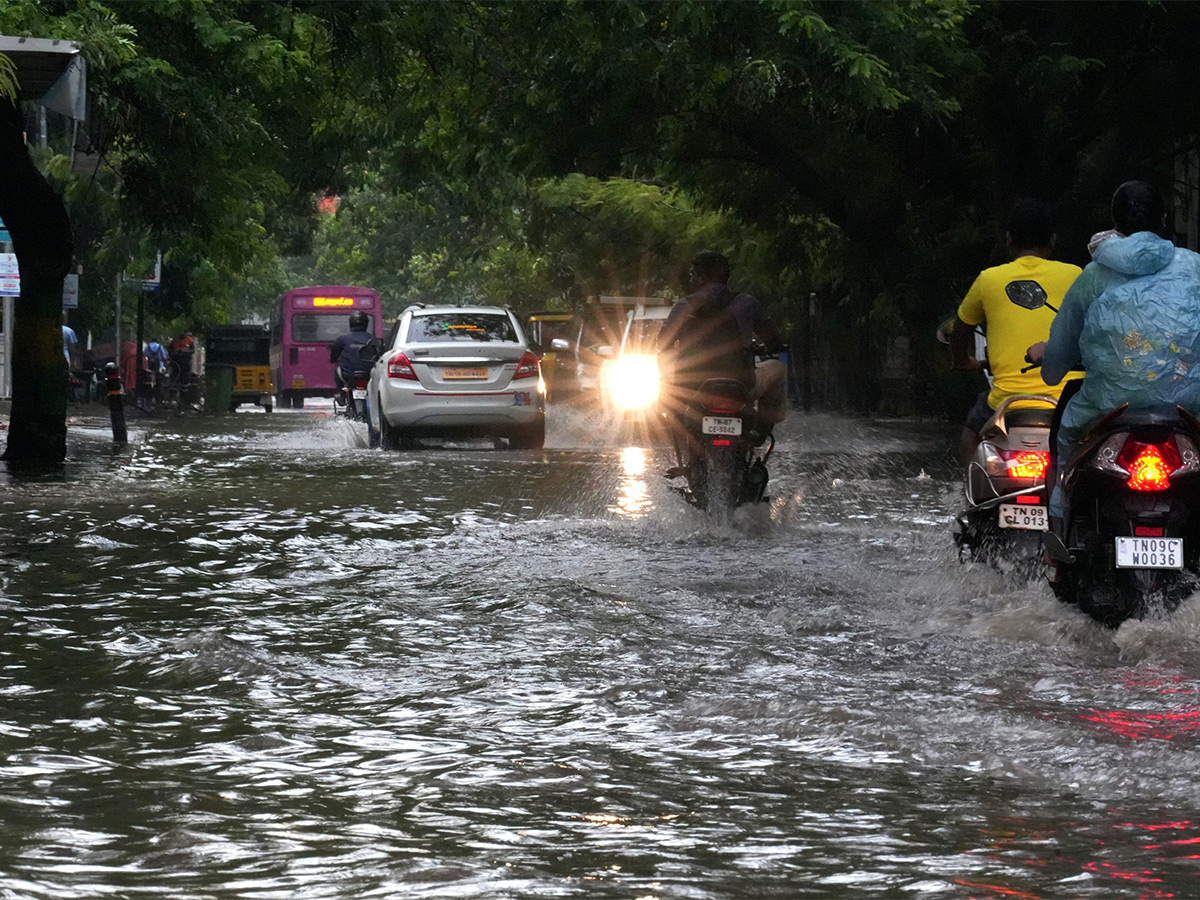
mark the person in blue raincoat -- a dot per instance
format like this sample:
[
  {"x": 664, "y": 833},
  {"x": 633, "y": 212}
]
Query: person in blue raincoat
[{"x": 1132, "y": 319}]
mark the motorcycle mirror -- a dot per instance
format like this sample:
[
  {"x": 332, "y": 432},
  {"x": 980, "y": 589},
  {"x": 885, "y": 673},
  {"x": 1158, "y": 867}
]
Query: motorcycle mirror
[
  {"x": 561, "y": 344},
  {"x": 371, "y": 350},
  {"x": 1026, "y": 294}
]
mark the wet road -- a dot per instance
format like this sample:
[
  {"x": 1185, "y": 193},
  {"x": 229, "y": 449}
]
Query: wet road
[{"x": 250, "y": 658}]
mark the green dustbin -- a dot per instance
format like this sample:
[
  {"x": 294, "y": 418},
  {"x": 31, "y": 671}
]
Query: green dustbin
[{"x": 218, "y": 389}]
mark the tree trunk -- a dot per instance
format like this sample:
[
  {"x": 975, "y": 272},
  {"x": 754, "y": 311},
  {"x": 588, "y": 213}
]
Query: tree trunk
[{"x": 41, "y": 235}]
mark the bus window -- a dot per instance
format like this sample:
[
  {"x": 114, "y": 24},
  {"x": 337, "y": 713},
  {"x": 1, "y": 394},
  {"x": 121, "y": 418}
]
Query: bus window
[{"x": 322, "y": 328}]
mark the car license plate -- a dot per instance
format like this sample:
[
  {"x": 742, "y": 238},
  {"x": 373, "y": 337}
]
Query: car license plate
[
  {"x": 464, "y": 372},
  {"x": 359, "y": 393},
  {"x": 730, "y": 425},
  {"x": 1149, "y": 553},
  {"x": 1029, "y": 517}
]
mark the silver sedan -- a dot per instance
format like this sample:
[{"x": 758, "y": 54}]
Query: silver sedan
[{"x": 457, "y": 371}]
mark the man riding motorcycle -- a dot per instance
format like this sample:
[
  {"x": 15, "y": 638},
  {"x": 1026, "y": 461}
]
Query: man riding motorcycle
[
  {"x": 712, "y": 332},
  {"x": 1016, "y": 303},
  {"x": 344, "y": 350},
  {"x": 1132, "y": 319}
]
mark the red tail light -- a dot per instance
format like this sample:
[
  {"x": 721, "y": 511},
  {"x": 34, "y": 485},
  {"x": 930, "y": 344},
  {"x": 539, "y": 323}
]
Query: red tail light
[
  {"x": 1025, "y": 463},
  {"x": 1029, "y": 499},
  {"x": 360, "y": 384},
  {"x": 527, "y": 367},
  {"x": 722, "y": 442},
  {"x": 400, "y": 367},
  {"x": 1149, "y": 465},
  {"x": 723, "y": 406}
]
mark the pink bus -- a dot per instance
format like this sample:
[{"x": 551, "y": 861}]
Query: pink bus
[{"x": 306, "y": 321}]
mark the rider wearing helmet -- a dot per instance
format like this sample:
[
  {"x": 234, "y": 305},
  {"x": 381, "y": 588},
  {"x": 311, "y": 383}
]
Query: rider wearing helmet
[{"x": 344, "y": 351}]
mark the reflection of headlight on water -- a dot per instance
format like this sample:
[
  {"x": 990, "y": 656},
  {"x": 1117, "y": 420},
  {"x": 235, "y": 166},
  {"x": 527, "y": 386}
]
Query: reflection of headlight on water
[{"x": 633, "y": 382}]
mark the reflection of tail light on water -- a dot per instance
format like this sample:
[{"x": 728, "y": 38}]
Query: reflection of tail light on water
[{"x": 1147, "y": 726}]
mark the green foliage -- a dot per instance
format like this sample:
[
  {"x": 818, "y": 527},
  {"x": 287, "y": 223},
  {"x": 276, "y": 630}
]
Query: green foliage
[{"x": 8, "y": 79}]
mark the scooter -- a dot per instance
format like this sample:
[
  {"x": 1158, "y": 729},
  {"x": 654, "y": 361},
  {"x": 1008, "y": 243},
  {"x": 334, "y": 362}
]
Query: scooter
[
  {"x": 717, "y": 439},
  {"x": 1005, "y": 486},
  {"x": 1129, "y": 544}
]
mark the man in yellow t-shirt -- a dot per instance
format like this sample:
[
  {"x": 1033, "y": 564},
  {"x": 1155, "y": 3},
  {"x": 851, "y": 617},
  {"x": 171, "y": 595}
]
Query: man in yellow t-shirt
[{"x": 1015, "y": 303}]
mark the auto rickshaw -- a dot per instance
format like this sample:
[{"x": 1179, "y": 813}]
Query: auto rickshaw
[
  {"x": 246, "y": 350},
  {"x": 541, "y": 328}
]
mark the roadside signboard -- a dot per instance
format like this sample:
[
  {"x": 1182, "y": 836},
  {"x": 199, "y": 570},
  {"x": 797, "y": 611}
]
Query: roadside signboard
[
  {"x": 71, "y": 291},
  {"x": 10, "y": 276}
]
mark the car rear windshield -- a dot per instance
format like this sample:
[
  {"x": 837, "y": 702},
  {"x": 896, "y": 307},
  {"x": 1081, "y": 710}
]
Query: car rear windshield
[{"x": 481, "y": 328}]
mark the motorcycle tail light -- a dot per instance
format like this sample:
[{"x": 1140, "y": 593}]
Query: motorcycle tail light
[
  {"x": 722, "y": 406},
  {"x": 400, "y": 367},
  {"x": 1029, "y": 499},
  {"x": 360, "y": 384},
  {"x": 527, "y": 367},
  {"x": 1019, "y": 463},
  {"x": 722, "y": 442},
  {"x": 1149, "y": 465}
]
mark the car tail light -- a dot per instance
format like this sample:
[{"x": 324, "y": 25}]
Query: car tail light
[
  {"x": 400, "y": 367},
  {"x": 1018, "y": 463},
  {"x": 527, "y": 367},
  {"x": 1150, "y": 466}
]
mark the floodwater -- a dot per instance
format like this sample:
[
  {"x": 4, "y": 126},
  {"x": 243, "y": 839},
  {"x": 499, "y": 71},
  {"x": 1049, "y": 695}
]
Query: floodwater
[{"x": 250, "y": 658}]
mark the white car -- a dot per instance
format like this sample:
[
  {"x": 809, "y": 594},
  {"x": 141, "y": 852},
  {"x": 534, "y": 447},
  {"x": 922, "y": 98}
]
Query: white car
[{"x": 457, "y": 371}]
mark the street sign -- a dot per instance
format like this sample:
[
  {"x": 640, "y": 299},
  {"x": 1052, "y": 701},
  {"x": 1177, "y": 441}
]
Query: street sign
[
  {"x": 149, "y": 281},
  {"x": 71, "y": 291},
  {"x": 10, "y": 276}
]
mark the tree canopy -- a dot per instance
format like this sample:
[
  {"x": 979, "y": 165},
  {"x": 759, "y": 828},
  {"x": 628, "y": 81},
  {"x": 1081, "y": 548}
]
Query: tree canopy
[{"x": 536, "y": 152}]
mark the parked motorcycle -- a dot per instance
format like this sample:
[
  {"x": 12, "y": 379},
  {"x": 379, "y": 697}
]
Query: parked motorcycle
[
  {"x": 1130, "y": 541},
  {"x": 718, "y": 436},
  {"x": 1005, "y": 485}
]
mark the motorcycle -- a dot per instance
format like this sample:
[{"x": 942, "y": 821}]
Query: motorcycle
[
  {"x": 1005, "y": 485},
  {"x": 718, "y": 436},
  {"x": 352, "y": 395},
  {"x": 1129, "y": 545}
]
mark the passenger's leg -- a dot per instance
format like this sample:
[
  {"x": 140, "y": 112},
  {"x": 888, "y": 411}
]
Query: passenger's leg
[
  {"x": 770, "y": 381},
  {"x": 968, "y": 438}
]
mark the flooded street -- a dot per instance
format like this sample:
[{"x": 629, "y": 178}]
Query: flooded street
[{"x": 248, "y": 657}]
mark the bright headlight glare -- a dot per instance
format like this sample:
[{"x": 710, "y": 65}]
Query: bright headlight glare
[{"x": 633, "y": 382}]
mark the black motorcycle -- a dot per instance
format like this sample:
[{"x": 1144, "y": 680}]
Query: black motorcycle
[
  {"x": 717, "y": 437},
  {"x": 1130, "y": 541},
  {"x": 351, "y": 396}
]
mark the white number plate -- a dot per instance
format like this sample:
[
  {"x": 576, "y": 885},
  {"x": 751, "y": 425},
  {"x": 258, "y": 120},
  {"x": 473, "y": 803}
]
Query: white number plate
[
  {"x": 1149, "y": 553},
  {"x": 1030, "y": 517},
  {"x": 730, "y": 425},
  {"x": 359, "y": 393}
]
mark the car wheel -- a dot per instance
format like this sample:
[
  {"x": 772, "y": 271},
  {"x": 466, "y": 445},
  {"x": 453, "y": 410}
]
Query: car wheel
[
  {"x": 389, "y": 437},
  {"x": 531, "y": 437}
]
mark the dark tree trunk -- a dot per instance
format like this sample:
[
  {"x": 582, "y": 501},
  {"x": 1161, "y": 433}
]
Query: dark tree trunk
[{"x": 41, "y": 235}]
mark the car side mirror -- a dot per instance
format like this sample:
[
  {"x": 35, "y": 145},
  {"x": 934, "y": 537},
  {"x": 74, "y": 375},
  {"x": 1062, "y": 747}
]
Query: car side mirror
[
  {"x": 562, "y": 345},
  {"x": 371, "y": 350}
]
